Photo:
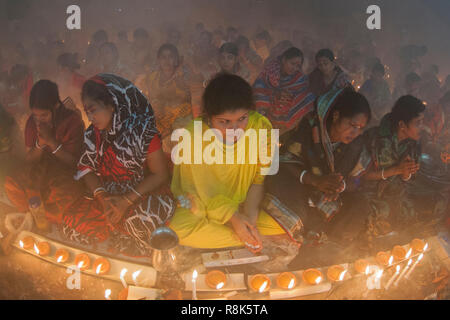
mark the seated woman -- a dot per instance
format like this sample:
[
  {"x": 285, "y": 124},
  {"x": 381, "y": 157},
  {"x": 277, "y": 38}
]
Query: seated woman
[
  {"x": 229, "y": 61},
  {"x": 281, "y": 91},
  {"x": 221, "y": 202},
  {"x": 54, "y": 139},
  {"x": 323, "y": 158},
  {"x": 395, "y": 153},
  {"x": 169, "y": 93},
  {"x": 327, "y": 75},
  {"x": 119, "y": 146}
]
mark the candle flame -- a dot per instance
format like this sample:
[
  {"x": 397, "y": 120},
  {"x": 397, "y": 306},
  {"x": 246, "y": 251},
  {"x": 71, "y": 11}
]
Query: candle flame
[
  {"x": 220, "y": 285},
  {"x": 367, "y": 270},
  {"x": 36, "y": 248},
  {"x": 107, "y": 293},
  {"x": 409, "y": 253},
  {"x": 21, "y": 244},
  {"x": 291, "y": 284},
  {"x": 409, "y": 262},
  {"x": 391, "y": 259},
  {"x": 425, "y": 247},
  {"x": 123, "y": 272},
  {"x": 136, "y": 274},
  {"x": 59, "y": 259},
  {"x": 379, "y": 273},
  {"x": 80, "y": 264},
  {"x": 341, "y": 277},
  {"x": 173, "y": 256},
  {"x": 397, "y": 269},
  {"x": 420, "y": 257},
  {"x": 264, "y": 286},
  {"x": 99, "y": 268},
  {"x": 318, "y": 279},
  {"x": 194, "y": 275}
]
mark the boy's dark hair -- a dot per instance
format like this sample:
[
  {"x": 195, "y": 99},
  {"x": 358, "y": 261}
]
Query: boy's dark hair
[
  {"x": 378, "y": 67},
  {"x": 292, "y": 52},
  {"x": 412, "y": 78},
  {"x": 406, "y": 109},
  {"x": 97, "y": 92},
  {"x": 349, "y": 104},
  {"x": 230, "y": 48},
  {"x": 44, "y": 95},
  {"x": 227, "y": 92},
  {"x": 325, "y": 53}
]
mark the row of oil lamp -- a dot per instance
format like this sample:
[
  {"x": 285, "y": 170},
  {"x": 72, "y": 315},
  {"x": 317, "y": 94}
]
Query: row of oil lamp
[
  {"x": 287, "y": 280},
  {"x": 101, "y": 265}
]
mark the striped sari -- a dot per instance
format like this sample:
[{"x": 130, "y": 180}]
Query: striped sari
[{"x": 268, "y": 87}]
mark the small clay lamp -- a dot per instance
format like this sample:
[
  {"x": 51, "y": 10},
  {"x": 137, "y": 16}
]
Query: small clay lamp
[
  {"x": 216, "y": 279},
  {"x": 399, "y": 253},
  {"x": 44, "y": 248},
  {"x": 382, "y": 258},
  {"x": 82, "y": 261},
  {"x": 101, "y": 266},
  {"x": 28, "y": 243},
  {"x": 418, "y": 245},
  {"x": 312, "y": 276},
  {"x": 286, "y": 280},
  {"x": 361, "y": 266},
  {"x": 336, "y": 273},
  {"x": 260, "y": 283},
  {"x": 61, "y": 255}
]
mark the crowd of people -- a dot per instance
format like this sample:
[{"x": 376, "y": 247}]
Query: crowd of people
[{"x": 363, "y": 152}]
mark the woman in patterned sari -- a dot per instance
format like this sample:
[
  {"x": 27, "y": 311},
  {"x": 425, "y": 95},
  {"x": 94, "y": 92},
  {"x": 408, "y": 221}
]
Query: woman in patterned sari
[
  {"x": 281, "y": 91},
  {"x": 323, "y": 157},
  {"x": 396, "y": 155},
  {"x": 121, "y": 144}
]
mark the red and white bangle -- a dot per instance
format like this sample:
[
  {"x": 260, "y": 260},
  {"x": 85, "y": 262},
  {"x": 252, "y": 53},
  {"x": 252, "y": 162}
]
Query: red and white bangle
[
  {"x": 57, "y": 149},
  {"x": 301, "y": 176}
]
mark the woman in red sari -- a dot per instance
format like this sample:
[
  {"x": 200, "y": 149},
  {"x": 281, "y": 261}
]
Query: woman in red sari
[{"x": 123, "y": 168}]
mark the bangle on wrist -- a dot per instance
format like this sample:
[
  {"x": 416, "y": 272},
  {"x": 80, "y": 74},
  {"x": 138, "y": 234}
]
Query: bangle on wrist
[
  {"x": 382, "y": 174},
  {"x": 57, "y": 149},
  {"x": 137, "y": 193},
  {"x": 38, "y": 146},
  {"x": 128, "y": 200},
  {"x": 407, "y": 179},
  {"x": 99, "y": 191},
  {"x": 345, "y": 186},
  {"x": 302, "y": 175}
]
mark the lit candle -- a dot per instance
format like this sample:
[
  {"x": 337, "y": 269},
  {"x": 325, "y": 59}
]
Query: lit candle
[
  {"x": 263, "y": 286},
  {"x": 62, "y": 255},
  {"x": 408, "y": 254},
  {"x": 135, "y": 275},
  {"x": 122, "y": 277},
  {"x": 101, "y": 266},
  {"x": 220, "y": 285},
  {"x": 403, "y": 272},
  {"x": 391, "y": 259},
  {"x": 21, "y": 244},
  {"x": 108, "y": 294},
  {"x": 391, "y": 280},
  {"x": 362, "y": 266},
  {"x": 82, "y": 261},
  {"x": 194, "y": 285},
  {"x": 36, "y": 249},
  {"x": 341, "y": 277},
  {"x": 414, "y": 266},
  {"x": 286, "y": 280},
  {"x": 312, "y": 276},
  {"x": 43, "y": 248}
]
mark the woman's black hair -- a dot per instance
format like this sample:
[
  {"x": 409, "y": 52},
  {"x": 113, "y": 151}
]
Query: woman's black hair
[
  {"x": 292, "y": 52},
  {"x": 44, "y": 95},
  {"x": 325, "y": 53},
  {"x": 227, "y": 92},
  {"x": 349, "y": 104},
  {"x": 69, "y": 60},
  {"x": 230, "y": 48},
  {"x": 406, "y": 108},
  {"x": 173, "y": 49},
  {"x": 97, "y": 92}
]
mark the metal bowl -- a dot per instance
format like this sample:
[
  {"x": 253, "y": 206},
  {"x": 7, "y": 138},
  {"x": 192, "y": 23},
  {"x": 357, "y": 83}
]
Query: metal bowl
[{"x": 163, "y": 238}]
